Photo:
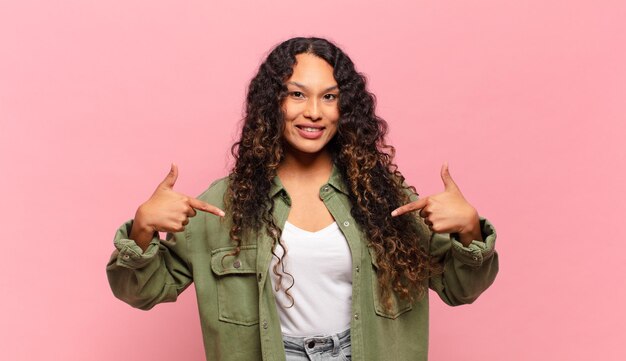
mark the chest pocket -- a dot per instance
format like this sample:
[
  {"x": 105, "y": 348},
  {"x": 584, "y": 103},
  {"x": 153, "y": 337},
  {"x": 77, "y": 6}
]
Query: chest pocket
[
  {"x": 237, "y": 290},
  {"x": 398, "y": 305}
]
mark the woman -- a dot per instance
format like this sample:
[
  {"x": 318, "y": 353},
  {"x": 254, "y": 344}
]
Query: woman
[{"x": 306, "y": 250}]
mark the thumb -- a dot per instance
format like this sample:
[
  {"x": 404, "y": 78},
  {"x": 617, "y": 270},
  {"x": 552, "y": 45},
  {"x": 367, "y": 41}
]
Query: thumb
[
  {"x": 448, "y": 182},
  {"x": 171, "y": 177}
]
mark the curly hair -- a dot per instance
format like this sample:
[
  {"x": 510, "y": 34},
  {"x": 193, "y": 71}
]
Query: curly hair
[{"x": 358, "y": 150}]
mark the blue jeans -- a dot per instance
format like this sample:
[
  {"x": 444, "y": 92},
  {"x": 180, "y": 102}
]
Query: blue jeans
[{"x": 318, "y": 348}]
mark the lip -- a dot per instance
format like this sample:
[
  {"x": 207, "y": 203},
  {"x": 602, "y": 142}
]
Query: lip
[{"x": 307, "y": 134}]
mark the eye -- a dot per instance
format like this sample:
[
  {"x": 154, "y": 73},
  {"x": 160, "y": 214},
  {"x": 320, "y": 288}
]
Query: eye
[
  {"x": 297, "y": 94},
  {"x": 330, "y": 97}
]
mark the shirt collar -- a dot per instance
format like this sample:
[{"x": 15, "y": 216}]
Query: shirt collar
[{"x": 335, "y": 180}]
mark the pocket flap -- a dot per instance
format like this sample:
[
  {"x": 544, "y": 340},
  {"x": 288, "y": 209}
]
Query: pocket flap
[
  {"x": 223, "y": 263},
  {"x": 398, "y": 305},
  {"x": 372, "y": 253}
]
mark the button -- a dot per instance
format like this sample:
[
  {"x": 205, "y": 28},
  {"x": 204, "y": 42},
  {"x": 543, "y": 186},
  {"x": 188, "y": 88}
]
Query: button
[
  {"x": 126, "y": 256},
  {"x": 346, "y": 223},
  {"x": 311, "y": 344},
  {"x": 356, "y": 316},
  {"x": 260, "y": 276},
  {"x": 237, "y": 264},
  {"x": 265, "y": 325},
  {"x": 475, "y": 258},
  {"x": 357, "y": 269},
  {"x": 325, "y": 189}
]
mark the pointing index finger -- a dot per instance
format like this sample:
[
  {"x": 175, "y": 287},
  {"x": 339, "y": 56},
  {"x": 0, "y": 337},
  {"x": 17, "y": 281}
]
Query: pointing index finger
[
  {"x": 203, "y": 206},
  {"x": 413, "y": 206}
]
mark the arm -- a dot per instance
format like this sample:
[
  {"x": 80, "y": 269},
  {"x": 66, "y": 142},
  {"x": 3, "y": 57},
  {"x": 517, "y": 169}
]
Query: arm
[
  {"x": 460, "y": 241},
  {"x": 467, "y": 270},
  {"x": 144, "y": 270},
  {"x": 144, "y": 279}
]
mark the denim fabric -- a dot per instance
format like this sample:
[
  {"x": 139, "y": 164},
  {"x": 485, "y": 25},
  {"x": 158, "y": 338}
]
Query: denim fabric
[{"x": 318, "y": 348}]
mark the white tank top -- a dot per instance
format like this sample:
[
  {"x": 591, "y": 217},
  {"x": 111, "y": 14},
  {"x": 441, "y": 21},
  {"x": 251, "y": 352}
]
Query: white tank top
[{"x": 321, "y": 265}]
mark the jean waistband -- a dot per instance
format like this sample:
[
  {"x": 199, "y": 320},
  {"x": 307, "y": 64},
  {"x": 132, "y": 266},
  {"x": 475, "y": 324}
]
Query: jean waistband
[{"x": 318, "y": 343}]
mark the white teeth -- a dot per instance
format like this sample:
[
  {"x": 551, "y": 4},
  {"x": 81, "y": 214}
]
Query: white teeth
[{"x": 309, "y": 129}]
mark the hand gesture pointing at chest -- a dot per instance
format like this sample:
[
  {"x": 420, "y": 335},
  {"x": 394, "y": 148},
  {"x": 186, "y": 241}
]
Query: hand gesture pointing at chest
[
  {"x": 166, "y": 211},
  {"x": 447, "y": 212}
]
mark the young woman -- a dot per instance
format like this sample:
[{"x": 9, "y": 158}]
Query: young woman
[{"x": 307, "y": 250}]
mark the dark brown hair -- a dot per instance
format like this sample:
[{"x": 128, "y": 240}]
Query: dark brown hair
[{"x": 360, "y": 153}]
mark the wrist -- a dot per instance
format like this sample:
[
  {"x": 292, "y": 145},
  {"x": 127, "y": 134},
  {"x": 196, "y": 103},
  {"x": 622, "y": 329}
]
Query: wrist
[
  {"x": 141, "y": 232},
  {"x": 471, "y": 232},
  {"x": 141, "y": 223}
]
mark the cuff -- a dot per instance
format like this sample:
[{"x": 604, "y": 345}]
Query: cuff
[
  {"x": 478, "y": 251},
  {"x": 130, "y": 255}
]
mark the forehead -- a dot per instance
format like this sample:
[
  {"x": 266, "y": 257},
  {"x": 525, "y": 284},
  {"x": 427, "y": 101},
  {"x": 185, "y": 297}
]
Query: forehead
[{"x": 311, "y": 70}]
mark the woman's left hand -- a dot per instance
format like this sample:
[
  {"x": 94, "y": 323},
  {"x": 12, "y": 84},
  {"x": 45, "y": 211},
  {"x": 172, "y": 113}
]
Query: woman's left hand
[{"x": 447, "y": 212}]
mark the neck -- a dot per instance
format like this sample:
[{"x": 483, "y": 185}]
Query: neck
[{"x": 298, "y": 165}]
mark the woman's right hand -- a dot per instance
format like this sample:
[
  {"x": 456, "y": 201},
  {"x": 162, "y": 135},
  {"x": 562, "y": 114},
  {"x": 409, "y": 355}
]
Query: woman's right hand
[{"x": 166, "y": 211}]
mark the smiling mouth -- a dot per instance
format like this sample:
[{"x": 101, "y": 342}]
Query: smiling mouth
[{"x": 310, "y": 129}]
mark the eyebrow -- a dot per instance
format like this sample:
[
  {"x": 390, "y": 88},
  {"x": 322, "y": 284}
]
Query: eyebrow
[{"x": 302, "y": 86}]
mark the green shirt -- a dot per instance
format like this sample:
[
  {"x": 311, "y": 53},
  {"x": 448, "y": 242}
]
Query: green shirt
[{"x": 235, "y": 298}]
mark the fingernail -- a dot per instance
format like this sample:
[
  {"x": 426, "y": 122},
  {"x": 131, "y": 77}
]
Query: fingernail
[
  {"x": 222, "y": 213},
  {"x": 394, "y": 213}
]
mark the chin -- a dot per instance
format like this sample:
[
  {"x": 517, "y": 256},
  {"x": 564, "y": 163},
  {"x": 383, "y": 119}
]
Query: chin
[{"x": 309, "y": 149}]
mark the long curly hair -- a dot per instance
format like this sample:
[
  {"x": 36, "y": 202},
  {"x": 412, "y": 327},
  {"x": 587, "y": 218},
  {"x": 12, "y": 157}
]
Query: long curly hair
[{"x": 358, "y": 150}]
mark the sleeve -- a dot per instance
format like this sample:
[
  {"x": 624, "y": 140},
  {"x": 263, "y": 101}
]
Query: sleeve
[
  {"x": 467, "y": 271},
  {"x": 144, "y": 279}
]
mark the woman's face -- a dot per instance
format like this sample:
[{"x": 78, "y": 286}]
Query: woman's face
[{"x": 311, "y": 108}]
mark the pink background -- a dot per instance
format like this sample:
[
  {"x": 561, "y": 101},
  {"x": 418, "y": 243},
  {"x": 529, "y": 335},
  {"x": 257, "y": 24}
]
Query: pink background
[{"x": 525, "y": 99}]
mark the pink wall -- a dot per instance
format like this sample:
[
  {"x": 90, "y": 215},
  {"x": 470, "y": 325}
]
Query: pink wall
[{"x": 525, "y": 99}]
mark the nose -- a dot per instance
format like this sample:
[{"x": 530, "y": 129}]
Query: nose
[{"x": 312, "y": 110}]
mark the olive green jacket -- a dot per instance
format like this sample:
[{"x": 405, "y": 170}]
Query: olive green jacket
[{"x": 235, "y": 297}]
